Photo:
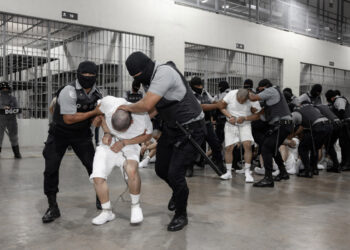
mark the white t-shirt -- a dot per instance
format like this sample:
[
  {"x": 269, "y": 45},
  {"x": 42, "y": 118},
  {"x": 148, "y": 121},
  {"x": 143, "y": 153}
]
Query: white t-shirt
[
  {"x": 235, "y": 108},
  {"x": 141, "y": 121}
]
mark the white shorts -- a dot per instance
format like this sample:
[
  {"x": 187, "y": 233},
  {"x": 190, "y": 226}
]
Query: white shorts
[
  {"x": 235, "y": 134},
  {"x": 105, "y": 159}
]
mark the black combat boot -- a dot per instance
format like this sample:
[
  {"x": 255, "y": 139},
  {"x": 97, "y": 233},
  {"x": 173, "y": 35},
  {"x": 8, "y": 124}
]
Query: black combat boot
[
  {"x": 171, "y": 204},
  {"x": 16, "y": 152},
  {"x": 178, "y": 222},
  {"x": 283, "y": 175},
  {"x": 346, "y": 166},
  {"x": 336, "y": 168},
  {"x": 265, "y": 182},
  {"x": 307, "y": 173},
  {"x": 53, "y": 211}
]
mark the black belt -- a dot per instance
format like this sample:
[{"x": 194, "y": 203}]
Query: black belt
[
  {"x": 283, "y": 122},
  {"x": 194, "y": 124},
  {"x": 323, "y": 122}
]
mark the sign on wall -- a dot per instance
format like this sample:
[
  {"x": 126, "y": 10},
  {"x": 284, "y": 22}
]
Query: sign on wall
[{"x": 69, "y": 15}]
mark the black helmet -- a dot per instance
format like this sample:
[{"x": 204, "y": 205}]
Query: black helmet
[
  {"x": 87, "y": 67},
  {"x": 330, "y": 94},
  {"x": 5, "y": 85},
  {"x": 196, "y": 81},
  {"x": 248, "y": 84},
  {"x": 265, "y": 83},
  {"x": 223, "y": 85},
  {"x": 316, "y": 90}
]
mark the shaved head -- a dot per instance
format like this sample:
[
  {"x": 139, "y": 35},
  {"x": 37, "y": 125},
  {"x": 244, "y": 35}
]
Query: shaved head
[
  {"x": 121, "y": 120},
  {"x": 242, "y": 95}
]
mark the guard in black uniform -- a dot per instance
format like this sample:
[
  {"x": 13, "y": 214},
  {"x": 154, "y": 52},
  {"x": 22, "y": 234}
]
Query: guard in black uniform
[
  {"x": 205, "y": 98},
  {"x": 341, "y": 107},
  {"x": 333, "y": 137},
  {"x": 278, "y": 116},
  {"x": 135, "y": 94},
  {"x": 313, "y": 96},
  {"x": 316, "y": 130},
  {"x": 8, "y": 120},
  {"x": 170, "y": 95},
  {"x": 75, "y": 108}
]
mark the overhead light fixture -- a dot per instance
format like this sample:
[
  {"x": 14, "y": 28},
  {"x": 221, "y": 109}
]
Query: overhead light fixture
[
  {"x": 204, "y": 1},
  {"x": 226, "y": 6},
  {"x": 253, "y": 7},
  {"x": 308, "y": 29},
  {"x": 339, "y": 37}
]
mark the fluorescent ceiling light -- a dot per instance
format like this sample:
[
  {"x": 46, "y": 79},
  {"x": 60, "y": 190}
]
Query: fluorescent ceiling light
[
  {"x": 253, "y": 7},
  {"x": 204, "y": 1},
  {"x": 308, "y": 29},
  {"x": 226, "y": 6}
]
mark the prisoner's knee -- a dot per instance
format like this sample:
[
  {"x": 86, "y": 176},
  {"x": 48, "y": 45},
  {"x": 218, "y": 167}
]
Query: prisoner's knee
[
  {"x": 229, "y": 149},
  {"x": 131, "y": 169},
  {"x": 99, "y": 181}
]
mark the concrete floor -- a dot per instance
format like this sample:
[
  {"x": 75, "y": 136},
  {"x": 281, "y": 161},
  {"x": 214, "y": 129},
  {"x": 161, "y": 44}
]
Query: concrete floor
[{"x": 297, "y": 214}]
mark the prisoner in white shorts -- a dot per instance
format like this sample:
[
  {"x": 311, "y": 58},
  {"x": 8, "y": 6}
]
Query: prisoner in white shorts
[
  {"x": 106, "y": 160},
  {"x": 123, "y": 132},
  {"x": 239, "y": 112}
]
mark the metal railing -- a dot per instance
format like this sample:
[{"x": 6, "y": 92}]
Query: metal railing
[
  {"x": 329, "y": 78},
  {"x": 216, "y": 64},
  {"x": 39, "y": 56}
]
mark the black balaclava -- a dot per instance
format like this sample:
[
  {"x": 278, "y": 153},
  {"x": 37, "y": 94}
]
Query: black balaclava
[
  {"x": 265, "y": 83},
  {"x": 248, "y": 84},
  {"x": 337, "y": 92},
  {"x": 316, "y": 90},
  {"x": 329, "y": 95},
  {"x": 223, "y": 85},
  {"x": 138, "y": 62},
  {"x": 87, "y": 67},
  {"x": 196, "y": 81},
  {"x": 288, "y": 96},
  {"x": 289, "y": 90},
  {"x": 135, "y": 86}
]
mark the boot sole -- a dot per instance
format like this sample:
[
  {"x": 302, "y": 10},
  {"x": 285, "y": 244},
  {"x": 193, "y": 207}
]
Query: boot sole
[
  {"x": 177, "y": 229},
  {"x": 48, "y": 221}
]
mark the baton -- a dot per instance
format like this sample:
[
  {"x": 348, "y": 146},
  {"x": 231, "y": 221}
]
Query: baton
[
  {"x": 312, "y": 138},
  {"x": 278, "y": 136},
  {"x": 199, "y": 149}
]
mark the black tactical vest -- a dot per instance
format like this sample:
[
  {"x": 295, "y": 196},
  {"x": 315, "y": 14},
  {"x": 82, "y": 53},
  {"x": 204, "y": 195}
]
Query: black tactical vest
[
  {"x": 347, "y": 108},
  {"x": 8, "y": 100},
  {"x": 84, "y": 104},
  {"x": 279, "y": 109},
  {"x": 309, "y": 114},
  {"x": 314, "y": 100},
  {"x": 133, "y": 97},
  {"x": 181, "y": 111},
  {"x": 204, "y": 99},
  {"x": 327, "y": 112}
]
